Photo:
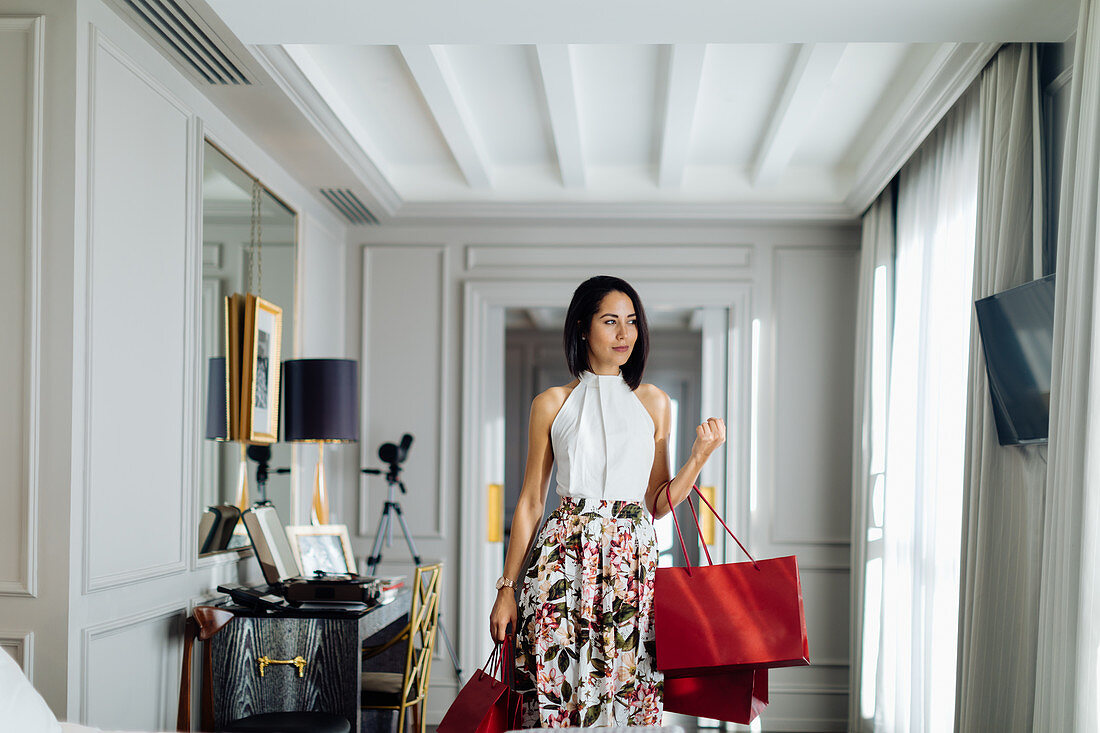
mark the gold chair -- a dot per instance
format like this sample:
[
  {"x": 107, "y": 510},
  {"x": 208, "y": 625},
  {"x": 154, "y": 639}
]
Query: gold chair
[{"x": 403, "y": 690}]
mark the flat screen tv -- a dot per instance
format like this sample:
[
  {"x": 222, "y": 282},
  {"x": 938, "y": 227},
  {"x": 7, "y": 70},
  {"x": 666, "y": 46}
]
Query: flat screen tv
[{"x": 1017, "y": 333}]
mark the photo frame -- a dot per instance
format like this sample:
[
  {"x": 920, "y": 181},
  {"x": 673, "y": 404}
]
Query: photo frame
[
  {"x": 325, "y": 547},
  {"x": 261, "y": 366}
]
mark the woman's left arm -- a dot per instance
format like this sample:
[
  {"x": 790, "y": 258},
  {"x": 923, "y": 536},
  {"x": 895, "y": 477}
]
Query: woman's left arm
[{"x": 708, "y": 436}]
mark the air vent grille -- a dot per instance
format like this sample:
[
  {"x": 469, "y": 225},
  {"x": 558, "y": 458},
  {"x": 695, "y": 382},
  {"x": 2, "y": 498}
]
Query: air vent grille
[
  {"x": 349, "y": 205},
  {"x": 185, "y": 34}
]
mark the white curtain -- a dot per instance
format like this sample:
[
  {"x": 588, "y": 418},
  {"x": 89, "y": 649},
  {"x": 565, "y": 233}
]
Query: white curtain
[
  {"x": 1067, "y": 694},
  {"x": 1002, "y": 510},
  {"x": 925, "y": 430},
  {"x": 874, "y": 318}
]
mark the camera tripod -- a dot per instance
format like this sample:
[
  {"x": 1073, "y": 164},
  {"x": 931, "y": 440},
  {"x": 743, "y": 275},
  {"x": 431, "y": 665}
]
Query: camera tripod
[{"x": 389, "y": 453}]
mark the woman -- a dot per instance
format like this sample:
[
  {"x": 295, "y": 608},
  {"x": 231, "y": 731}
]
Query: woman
[{"x": 584, "y": 637}]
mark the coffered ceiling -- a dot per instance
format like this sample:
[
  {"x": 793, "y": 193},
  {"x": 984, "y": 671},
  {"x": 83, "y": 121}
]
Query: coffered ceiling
[{"x": 708, "y": 110}]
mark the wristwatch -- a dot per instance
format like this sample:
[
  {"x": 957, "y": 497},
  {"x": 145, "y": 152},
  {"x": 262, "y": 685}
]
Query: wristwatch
[{"x": 502, "y": 581}]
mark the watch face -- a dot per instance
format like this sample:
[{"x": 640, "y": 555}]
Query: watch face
[{"x": 500, "y": 583}]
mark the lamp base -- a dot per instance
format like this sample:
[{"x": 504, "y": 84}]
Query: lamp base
[{"x": 320, "y": 496}]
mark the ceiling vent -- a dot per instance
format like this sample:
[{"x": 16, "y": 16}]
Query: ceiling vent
[
  {"x": 188, "y": 39},
  {"x": 349, "y": 205}
]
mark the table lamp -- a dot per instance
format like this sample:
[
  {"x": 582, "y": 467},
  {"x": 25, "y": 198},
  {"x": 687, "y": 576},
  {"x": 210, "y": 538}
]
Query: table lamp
[
  {"x": 320, "y": 405},
  {"x": 217, "y": 406},
  {"x": 217, "y": 421}
]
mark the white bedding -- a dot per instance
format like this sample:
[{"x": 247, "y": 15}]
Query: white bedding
[{"x": 76, "y": 728}]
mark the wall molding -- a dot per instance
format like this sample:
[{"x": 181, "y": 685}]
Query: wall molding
[
  {"x": 812, "y": 567},
  {"x": 367, "y": 451},
  {"x": 98, "y": 42},
  {"x": 117, "y": 626},
  {"x": 950, "y": 73},
  {"x": 383, "y": 198},
  {"x": 582, "y": 212},
  {"x": 819, "y": 725},
  {"x": 722, "y": 260},
  {"x": 24, "y": 642},
  {"x": 776, "y": 534},
  {"x": 807, "y": 689},
  {"x": 194, "y": 374},
  {"x": 831, "y": 662},
  {"x": 35, "y": 28}
]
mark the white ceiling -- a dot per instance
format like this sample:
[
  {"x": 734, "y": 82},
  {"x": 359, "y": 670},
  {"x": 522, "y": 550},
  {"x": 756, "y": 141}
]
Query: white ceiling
[
  {"x": 355, "y": 22},
  {"x": 704, "y": 109},
  {"x": 614, "y": 123}
]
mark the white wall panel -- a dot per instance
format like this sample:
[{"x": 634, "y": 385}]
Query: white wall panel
[
  {"x": 138, "y": 305},
  {"x": 21, "y": 50},
  {"x": 321, "y": 290},
  {"x": 825, "y": 601},
  {"x": 131, "y": 670},
  {"x": 814, "y": 296},
  {"x": 404, "y": 359},
  {"x": 20, "y": 646},
  {"x": 806, "y": 712}
]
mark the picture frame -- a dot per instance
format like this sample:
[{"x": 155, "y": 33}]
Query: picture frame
[
  {"x": 261, "y": 361},
  {"x": 234, "y": 344},
  {"x": 324, "y": 547}
]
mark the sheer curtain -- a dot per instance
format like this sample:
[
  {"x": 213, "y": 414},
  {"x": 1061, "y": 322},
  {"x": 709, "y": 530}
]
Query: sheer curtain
[
  {"x": 1003, "y": 490},
  {"x": 1067, "y": 694},
  {"x": 925, "y": 430},
  {"x": 874, "y": 318}
]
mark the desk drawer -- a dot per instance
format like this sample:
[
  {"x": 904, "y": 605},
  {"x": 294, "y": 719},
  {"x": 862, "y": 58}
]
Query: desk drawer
[{"x": 307, "y": 664}]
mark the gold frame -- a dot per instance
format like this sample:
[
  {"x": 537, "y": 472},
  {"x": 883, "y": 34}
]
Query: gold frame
[
  {"x": 293, "y": 532},
  {"x": 250, "y": 432}
]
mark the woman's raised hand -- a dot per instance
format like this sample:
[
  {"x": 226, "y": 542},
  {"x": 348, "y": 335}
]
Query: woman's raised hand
[{"x": 708, "y": 436}]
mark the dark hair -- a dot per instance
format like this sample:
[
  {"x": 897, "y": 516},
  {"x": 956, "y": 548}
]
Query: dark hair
[{"x": 582, "y": 309}]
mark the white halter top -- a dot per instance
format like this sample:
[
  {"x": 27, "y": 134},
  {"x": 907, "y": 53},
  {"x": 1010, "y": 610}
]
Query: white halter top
[{"x": 603, "y": 441}]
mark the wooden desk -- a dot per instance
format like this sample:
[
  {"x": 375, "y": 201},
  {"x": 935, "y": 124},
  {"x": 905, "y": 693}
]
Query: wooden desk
[{"x": 329, "y": 679}]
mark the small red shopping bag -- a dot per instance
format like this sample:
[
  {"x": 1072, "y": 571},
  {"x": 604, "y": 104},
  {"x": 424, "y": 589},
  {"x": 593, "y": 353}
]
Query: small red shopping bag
[
  {"x": 486, "y": 704},
  {"x": 731, "y": 616},
  {"x": 738, "y": 696}
]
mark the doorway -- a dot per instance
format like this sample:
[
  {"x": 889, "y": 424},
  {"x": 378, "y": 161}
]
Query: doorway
[{"x": 720, "y": 317}]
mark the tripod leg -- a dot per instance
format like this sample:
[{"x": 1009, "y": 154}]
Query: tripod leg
[
  {"x": 408, "y": 535},
  {"x": 376, "y": 550},
  {"x": 450, "y": 649}
]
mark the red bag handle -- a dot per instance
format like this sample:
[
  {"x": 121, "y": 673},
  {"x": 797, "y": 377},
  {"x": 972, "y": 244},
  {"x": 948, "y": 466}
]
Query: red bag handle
[
  {"x": 668, "y": 495},
  {"x": 502, "y": 665}
]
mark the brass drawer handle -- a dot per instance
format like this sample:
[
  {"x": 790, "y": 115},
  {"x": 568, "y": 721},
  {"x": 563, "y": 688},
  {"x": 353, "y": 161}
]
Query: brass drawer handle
[{"x": 297, "y": 662}]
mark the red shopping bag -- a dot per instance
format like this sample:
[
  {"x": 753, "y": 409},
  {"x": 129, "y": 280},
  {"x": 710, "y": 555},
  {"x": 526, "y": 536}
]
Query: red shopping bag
[
  {"x": 739, "y": 695},
  {"x": 486, "y": 704},
  {"x": 728, "y": 616}
]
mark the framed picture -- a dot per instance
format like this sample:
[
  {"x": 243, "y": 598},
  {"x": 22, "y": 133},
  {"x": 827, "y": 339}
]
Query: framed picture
[
  {"x": 261, "y": 359},
  {"x": 324, "y": 547}
]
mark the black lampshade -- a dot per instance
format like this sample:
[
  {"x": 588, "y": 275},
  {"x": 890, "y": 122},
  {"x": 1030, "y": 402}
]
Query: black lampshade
[
  {"x": 217, "y": 406},
  {"x": 320, "y": 400}
]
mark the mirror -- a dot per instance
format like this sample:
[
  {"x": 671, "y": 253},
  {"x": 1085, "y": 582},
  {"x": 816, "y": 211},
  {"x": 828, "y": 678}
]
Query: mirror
[{"x": 231, "y": 255}]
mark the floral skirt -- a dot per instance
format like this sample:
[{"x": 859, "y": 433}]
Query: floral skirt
[{"x": 585, "y": 643}]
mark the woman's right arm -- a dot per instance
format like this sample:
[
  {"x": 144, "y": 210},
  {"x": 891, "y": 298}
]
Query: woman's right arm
[{"x": 529, "y": 509}]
